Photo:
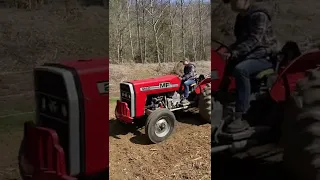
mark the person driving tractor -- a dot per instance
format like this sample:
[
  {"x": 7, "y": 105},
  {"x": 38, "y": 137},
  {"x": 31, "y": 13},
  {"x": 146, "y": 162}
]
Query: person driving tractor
[
  {"x": 188, "y": 78},
  {"x": 250, "y": 54}
]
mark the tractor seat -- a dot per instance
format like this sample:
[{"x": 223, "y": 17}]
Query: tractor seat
[{"x": 265, "y": 73}]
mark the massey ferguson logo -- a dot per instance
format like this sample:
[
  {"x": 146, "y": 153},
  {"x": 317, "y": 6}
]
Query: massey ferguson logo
[{"x": 163, "y": 85}]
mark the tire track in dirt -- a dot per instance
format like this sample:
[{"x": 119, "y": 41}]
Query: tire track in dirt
[{"x": 185, "y": 155}]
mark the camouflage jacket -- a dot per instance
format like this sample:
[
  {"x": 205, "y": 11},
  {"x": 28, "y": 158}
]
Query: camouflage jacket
[
  {"x": 254, "y": 35},
  {"x": 189, "y": 72}
]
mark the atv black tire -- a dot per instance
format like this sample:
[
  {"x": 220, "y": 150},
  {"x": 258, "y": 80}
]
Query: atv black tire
[
  {"x": 205, "y": 107},
  {"x": 302, "y": 131},
  {"x": 160, "y": 116}
]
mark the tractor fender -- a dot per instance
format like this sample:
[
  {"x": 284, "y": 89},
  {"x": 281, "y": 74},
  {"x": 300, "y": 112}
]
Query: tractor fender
[
  {"x": 293, "y": 72},
  {"x": 202, "y": 84}
]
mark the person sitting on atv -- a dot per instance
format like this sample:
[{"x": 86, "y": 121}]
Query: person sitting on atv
[
  {"x": 188, "y": 78},
  {"x": 250, "y": 54}
]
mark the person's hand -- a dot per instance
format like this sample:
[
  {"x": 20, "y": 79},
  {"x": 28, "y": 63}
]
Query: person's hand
[{"x": 226, "y": 55}]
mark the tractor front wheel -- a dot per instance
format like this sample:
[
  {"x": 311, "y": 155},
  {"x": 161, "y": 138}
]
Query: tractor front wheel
[
  {"x": 205, "y": 103},
  {"x": 160, "y": 125},
  {"x": 302, "y": 130}
]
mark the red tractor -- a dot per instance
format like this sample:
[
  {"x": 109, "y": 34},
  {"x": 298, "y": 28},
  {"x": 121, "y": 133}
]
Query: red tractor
[
  {"x": 69, "y": 138},
  {"x": 153, "y": 101},
  {"x": 284, "y": 106}
]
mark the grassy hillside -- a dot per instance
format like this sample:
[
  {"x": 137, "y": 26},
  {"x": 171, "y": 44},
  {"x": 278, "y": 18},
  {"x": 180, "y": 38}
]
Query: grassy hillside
[{"x": 50, "y": 34}]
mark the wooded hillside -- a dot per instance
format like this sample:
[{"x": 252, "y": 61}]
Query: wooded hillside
[{"x": 159, "y": 30}]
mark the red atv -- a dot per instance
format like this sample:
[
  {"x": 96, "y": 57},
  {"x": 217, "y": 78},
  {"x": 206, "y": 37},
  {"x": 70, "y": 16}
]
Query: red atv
[
  {"x": 284, "y": 104},
  {"x": 156, "y": 99},
  {"x": 69, "y": 138}
]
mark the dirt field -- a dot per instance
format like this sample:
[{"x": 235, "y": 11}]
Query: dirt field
[
  {"x": 30, "y": 38},
  {"x": 186, "y": 155},
  {"x": 10, "y": 137}
]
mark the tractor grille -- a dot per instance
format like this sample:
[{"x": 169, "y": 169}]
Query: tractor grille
[
  {"x": 125, "y": 94},
  {"x": 52, "y": 106}
]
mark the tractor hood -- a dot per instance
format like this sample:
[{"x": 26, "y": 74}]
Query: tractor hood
[{"x": 157, "y": 83}]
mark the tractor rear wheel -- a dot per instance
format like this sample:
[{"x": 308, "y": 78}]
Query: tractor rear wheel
[
  {"x": 205, "y": 103},
  {"x": 160, "y": 125},
  {"x": 302, "y": 131}
]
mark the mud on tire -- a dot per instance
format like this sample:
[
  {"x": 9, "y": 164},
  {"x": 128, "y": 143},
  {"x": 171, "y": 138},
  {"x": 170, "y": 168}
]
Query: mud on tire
[
  {"x": 156, "y": 125},
  {"x": 302, "y": 129},
  {"x": 205, "y": 103}
]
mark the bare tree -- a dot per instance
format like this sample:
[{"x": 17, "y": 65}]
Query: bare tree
[
  {"x": 144, "y": 32},
  {"x": 138, "y": 30},
  {"x": 182, "y": 28},
  {"x": 129, "y": 27},
  {"x": 192, "y": 32},
  {"x": 160, "y": 30},
  {"x": 156, "y": 19}
]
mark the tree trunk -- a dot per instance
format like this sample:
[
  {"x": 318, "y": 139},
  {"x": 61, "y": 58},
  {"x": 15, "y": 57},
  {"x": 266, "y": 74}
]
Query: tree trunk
[
  {"x": 182, "y": 28},
  {"x": 194, "y": 44},
  {"x": 129, "y": 26},
  {"x": 144, "y": 33},
  {"x": 138, "y": 30},
  {"x": 171, "y": 32}
]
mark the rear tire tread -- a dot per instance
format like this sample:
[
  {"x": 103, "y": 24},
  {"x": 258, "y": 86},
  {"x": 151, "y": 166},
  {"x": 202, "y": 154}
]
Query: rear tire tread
[{"x": 302, "y": 131}]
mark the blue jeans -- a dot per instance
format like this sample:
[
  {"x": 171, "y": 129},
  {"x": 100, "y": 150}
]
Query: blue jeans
[
  {"x": 186, "y": 85},
  {"x": 242, "y": 73}
]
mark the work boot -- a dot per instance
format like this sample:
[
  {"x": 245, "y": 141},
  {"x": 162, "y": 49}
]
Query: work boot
[{"x": 238, "y": 124}]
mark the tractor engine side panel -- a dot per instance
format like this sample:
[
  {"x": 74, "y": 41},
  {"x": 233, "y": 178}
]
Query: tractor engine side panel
[{"x": 153, "y": 86}]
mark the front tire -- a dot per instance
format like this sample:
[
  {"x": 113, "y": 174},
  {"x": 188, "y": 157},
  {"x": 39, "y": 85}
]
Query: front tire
[{"x": 160, "y": 125}]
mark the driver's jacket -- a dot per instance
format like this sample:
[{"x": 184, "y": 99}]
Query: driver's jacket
[
  {"x": 254, "y": 35},
  {"x": 189, "y": 72}
]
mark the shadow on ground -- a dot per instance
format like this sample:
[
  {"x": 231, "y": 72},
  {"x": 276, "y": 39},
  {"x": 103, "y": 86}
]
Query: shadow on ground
[
  {"x": 267, "y": 165},
  {"x": 117, "y": 128}
]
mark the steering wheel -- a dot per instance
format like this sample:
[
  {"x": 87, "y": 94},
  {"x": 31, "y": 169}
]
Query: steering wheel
[{"x": 222, "y": 46}]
